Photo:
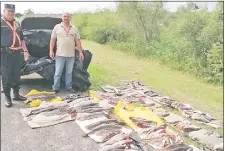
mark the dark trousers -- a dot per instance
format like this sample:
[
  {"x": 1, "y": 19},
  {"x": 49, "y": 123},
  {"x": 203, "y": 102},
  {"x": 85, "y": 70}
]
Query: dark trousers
[{"x": 10, "y": 71}]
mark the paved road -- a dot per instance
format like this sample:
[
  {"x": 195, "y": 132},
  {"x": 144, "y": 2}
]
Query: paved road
[{"x": 16, "y": 135}]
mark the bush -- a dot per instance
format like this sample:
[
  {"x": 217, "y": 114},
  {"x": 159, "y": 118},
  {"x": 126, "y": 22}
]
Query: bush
[{"x": 187, "y": 40}]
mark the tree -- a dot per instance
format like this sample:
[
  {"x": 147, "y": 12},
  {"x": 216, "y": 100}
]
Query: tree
[
  {"x": 28, "y": 12},
  {"x": 18, "y": 15},
  {"x": 192, "y": 6}
]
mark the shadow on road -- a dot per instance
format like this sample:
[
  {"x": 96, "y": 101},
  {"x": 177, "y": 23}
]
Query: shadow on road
[{"x": 39, "y": 84}]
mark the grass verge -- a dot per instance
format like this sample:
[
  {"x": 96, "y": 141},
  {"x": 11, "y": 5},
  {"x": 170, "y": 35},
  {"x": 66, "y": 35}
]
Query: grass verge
[{"x": 109, "y": 66}]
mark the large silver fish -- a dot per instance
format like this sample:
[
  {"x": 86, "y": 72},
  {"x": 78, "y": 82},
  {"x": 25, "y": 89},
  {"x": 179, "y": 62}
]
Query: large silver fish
[
  {"x": 88, "y": 116},
  {"x": 105, "y": 131},
  {"x": 47, "y": 108},
  {"x": 106, "y": 134},
  {"x": 92, "y": 110},
  {"x": 68, "y": 109},
  {"x": 43, "y": 97},
  {"x": 85, "y": 103},
  {"x": 109, "y": 127},
  {"x": 81, "y": 108},
  {"x": 118, "y": 145},
  {"x": 107, "y": 121},
  {"x": 114, "y": 139}
]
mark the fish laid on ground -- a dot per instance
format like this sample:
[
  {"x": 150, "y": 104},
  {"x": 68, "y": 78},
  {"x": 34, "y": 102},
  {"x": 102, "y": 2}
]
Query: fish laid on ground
[
  {"x": 176, "y": 147},
  {"x": 113, "y": 147},
  {"x": 88, "y": 116},
  {"x": 147, "y": 131},
  {"x": 186, "y": 126},
  {"x": 80, "y": 109},
  {"x": 40, "y": 96},
  {"x": 75, "y": 97},
  {"x": 110, "y": 127},
  {"x": 53, "y": 112},
  {"x": 92, "y": 110},
  {"x": 201, "y": 117},
  {"x": 50, "y": 116},
  {"x": 107, "y": 121},
  {"x": 142, "y": 122},
  {"x": 68, "y": 109},
  {"x": 118, "y": 145},
  {"x": 114, "y": 139},
  {"x": 110, "y": 89},
  {"x": 105, "y": 131},
  {"x": 85, "y": 103},
  {"x": 106, "y": 134},
  {"x": 78, "y": 101},
  {"x": 49, "y": 107}
]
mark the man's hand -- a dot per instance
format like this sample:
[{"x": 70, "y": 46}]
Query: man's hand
[
  {"x": 26, "y": 55},
  {"x": 81, "y": 56},
  {"x": 51, "y": 54}
]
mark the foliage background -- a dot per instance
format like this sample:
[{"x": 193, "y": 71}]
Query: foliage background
[{"x": 189, "y": 40}]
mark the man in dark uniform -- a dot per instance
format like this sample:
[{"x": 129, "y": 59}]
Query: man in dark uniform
[{"x": 11, "y": 45}]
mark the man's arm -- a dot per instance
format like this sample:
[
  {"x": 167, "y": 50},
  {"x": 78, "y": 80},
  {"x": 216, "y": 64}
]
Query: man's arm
[
  {"x": 78, "y": 44},
  {"x": 24, "y": 47},
  {"x": 77, "y": 40},
  {"x": 52, "y": 43}
]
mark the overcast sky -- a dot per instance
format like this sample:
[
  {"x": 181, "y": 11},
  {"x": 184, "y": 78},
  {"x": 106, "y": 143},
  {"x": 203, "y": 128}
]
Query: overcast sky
[{"x": 59, "y": 7}]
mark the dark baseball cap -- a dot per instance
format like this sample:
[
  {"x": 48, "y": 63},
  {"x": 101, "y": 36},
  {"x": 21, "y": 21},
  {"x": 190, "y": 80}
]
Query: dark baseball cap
[{"x": 10, "y": 7}]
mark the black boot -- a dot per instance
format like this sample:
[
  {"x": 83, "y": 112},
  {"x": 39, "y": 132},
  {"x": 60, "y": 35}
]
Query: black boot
[
  {"x": 8, "y": 101},
  {"x": 18, "y": 97}
]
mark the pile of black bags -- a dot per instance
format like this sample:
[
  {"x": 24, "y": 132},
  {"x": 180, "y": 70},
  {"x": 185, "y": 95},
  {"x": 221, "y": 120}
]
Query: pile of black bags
[
  {"x": 80, "y": 74},
  {"x": 38, "y": 42},
  {"x": 39, "y": 62}
]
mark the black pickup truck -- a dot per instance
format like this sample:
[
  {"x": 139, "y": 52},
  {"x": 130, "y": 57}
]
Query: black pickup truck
[{"x": 37, "y": 31}]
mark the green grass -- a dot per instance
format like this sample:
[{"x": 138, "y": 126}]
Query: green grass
[
  {"x": 99, "y": 76},
  {"x": 109, "y": 66}
]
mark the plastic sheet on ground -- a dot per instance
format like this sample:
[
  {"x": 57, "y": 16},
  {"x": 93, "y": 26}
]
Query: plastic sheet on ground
[
  {"x": 210, "y": 139},
  {"x": 37, "y": 66},
  {"x": 99, "y": 139},
  {"x": 27, "y": 111},
  {"x": 125, "y": 111},
  {"x": 43, "y": 121},
  {"x": 39, "y": 92},
  {"x": 37, "y": 102},
  {"x": 173, "y": 118},
  {"x": 49, "y": 115},
  {"x": 93, "y": 95}
]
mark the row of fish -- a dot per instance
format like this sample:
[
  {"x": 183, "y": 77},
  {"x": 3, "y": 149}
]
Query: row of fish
[
  {"x": 109, "y": 129},
  {"x": 138, "y": 94},
  {"x": 43, "y": 97},
  {"x": 185, "y": 109}
]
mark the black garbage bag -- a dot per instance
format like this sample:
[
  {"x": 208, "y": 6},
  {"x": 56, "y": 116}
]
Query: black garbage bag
[
  {"x": 48, "y": 72},
  {"x": 87, "y": 58},
  {"x": 30, "y": 67},
  {"x": 80, "y": 81},
  {"x": 38, "y": 42}
]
